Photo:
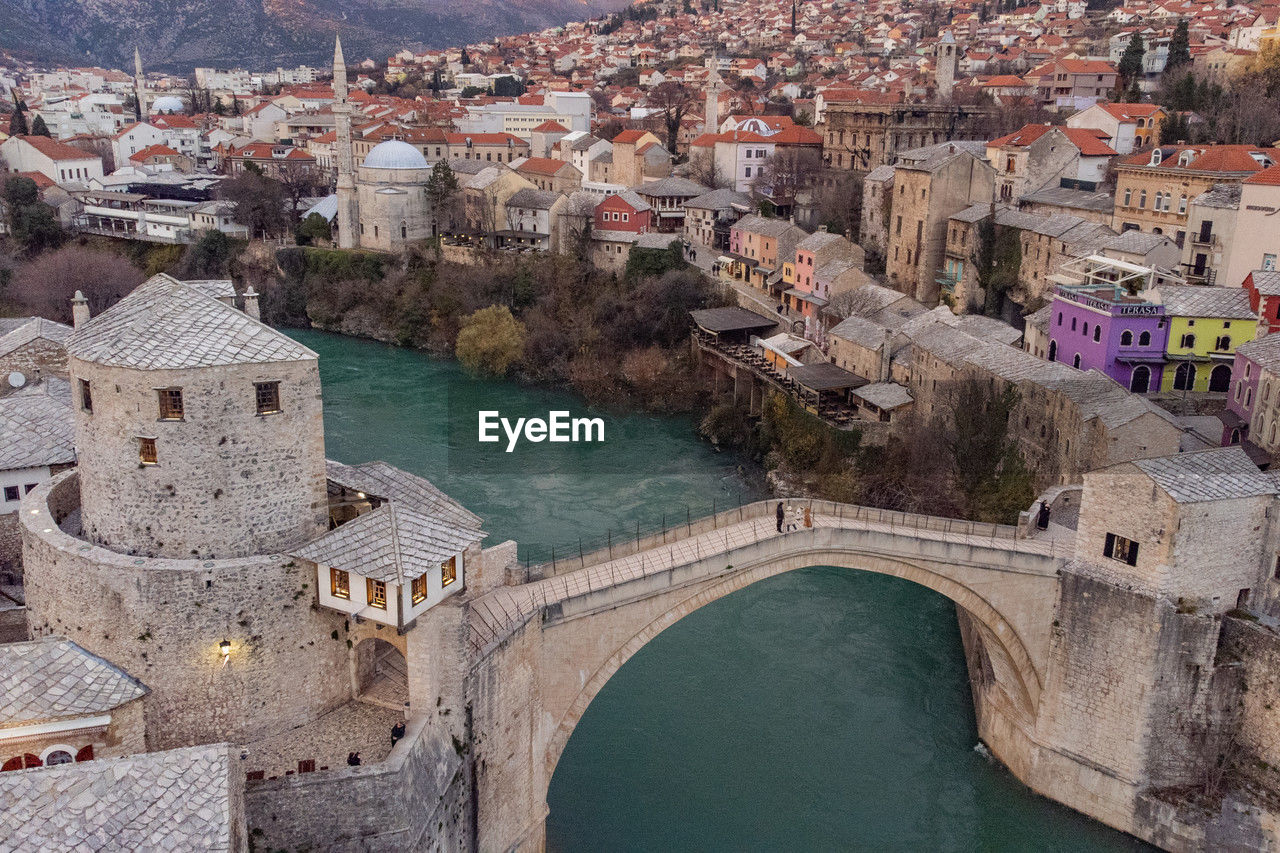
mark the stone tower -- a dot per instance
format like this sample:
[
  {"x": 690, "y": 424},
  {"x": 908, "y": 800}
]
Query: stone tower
[
  {"x": 712, "y": 115},
  {"x": 348, "y": 217},
  {"x": 139, "y": 85},
  {"x": 946, "y": 60},
  {"x": 198, "y": 429}
]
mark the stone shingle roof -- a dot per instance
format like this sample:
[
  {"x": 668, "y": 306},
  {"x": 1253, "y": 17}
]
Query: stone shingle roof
[
  {"x": 390, "y": 483},
  {"x": 180, "y": 799},
  {"x": 861, "y": 331},
  {"x": 1208, "y": 475},
  {"x": 1227, "y": 303},
  {"x": 218, "y": 288},
  {"x": 53, "y": 679},
  {"x": 1264, "y": 352},
  {"x": 1267, "y": 282},
  {"x": 166, "y": 324},
  {"x": 391, "y": 543},
  {"x": 721, "y": 199},
  {"x": 670, "y": 187},
  {"x": 1135, "y": 242},
  {"x": 36, "y": 427},
  {"x": 534, "y": 199},
  {"x": 26, "y": 330},
  {"x": 884, "y": 395}
]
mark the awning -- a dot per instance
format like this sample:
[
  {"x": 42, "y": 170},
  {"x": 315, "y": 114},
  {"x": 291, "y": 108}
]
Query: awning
[
  {"x": 825, "y": 376},
  {"x": 807, "y": 297}
]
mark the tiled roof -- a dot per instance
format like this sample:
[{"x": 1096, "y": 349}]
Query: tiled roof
[
  {"x": 391, "y": 543},
  {"x": 29, "y": 329},
  {"x": 57, "y": 150},
  {"x": 721, "y": 199},
  {"x": 1228, "y": 303},
  {"x": 533, "y": 199},
  {"x": 1264, "y": 352},
  {"x": 391, "y": 483},
  {"x": 672, "y": 186},
  {"x": 180, "y": 799},
  {"x": 36, "y": 427},
  {"x": 1222, "y": 473},
  {"x": 1266, "y": 282},
  {"x": 884, "y": 395},
  {"x": 165, "y": 324},
  {"x": 53, "y": 679},
  {"x": 542, "y": 165}
]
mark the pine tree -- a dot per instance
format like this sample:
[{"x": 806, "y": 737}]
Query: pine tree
[
  {"x": 1131, "y": 60},
  {"x": 39, "y": 128},
  {"x": 466, "y": 58},
  {"x": 1179, "y": 47},
  {"x": 18, "y": 123}
]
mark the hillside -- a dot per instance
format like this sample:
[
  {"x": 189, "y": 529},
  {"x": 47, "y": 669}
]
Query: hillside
[{"x": 176, "y": 35}]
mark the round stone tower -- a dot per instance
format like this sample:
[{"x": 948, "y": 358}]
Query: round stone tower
[{"x": 198, "y": 428}]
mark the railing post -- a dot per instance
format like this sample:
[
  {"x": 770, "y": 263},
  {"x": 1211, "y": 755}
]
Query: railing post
[
  {"x": 688, "y": 526},
  {"x": 553, "y": 559},
  {"x": 664, "y": 528},
  {"x": 582, "y": 562},
  {"x": 610, "y": 544},
  {"x": 715, "y": 522}
]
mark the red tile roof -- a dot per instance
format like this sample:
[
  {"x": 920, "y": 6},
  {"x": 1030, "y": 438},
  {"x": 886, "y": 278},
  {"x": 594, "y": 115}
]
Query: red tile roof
[
  {"x": 542, "y": 166},
  {"x": 628, "y": 136},
  {"x": 56, "y": 150},
  {"x": 154, "y": 151},
  {"x": 551, "y": 126},
  {"x": 1268, "y": 177}
]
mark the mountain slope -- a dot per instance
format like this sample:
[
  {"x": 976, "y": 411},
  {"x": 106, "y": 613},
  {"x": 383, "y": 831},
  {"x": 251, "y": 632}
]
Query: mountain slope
[{"x": 178, "y": 34}]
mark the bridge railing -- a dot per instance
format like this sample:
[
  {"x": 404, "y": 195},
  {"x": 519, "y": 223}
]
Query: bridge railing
[{"x": 573, "y": 559}]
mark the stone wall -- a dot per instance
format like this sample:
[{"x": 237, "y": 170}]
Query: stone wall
[
  {"x": 37, "y": 359},
  {"x": 228, "y": 482},
  {"x": 418, "y": 799},
  {"x": 124, "y": 735},
  {"x": 10, "y": 549},
  {"x": 162, "y": 621}
]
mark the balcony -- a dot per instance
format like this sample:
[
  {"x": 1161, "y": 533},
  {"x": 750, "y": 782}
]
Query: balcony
[{"x": 1199, "y": 275}]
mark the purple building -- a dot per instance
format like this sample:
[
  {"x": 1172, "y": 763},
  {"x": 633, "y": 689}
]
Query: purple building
[
  {"x": 1250, "y": 360},
  {"x": 1102, "y": 326}
]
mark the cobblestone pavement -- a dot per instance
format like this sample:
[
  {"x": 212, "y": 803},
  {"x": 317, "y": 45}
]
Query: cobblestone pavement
[{"x": 353, "y": 727}]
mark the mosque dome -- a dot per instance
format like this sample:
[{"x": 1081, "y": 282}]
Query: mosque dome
[
  {"x": 168, "y": 104},
  {"x": 394, "y": 154}
]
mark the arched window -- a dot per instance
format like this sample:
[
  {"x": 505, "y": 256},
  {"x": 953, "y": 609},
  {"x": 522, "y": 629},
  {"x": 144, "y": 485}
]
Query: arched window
[
  {"x": 1142, "y": 197},
  {"x": 1126, "y": 338},
  {"x": 1182, "y": 204},
  {"x": 1075, "y": 362},
  {"x": 58, "y": 756},
  {"x": 1097, "y": 333},
  {"x": 1086, "y": 329},
  {"x": 1140, "y": 379},
  {"x": 1053, "y": 350},
  {"x": 1128, "y": 196},
  {"x": 1220, "y": 378},
  {"x": 1224, "y": 343},
  {"x": 1266, "y": 393},
  {"x": 1235, "y": 436},
  {"x": 1188, "y": 341},
  {"x": 1184, "y": 378},
  {"x": 1144, "y": 339}
]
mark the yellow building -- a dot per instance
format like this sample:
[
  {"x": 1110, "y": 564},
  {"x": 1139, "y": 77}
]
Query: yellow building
[{"x": 1206, "y": 324}]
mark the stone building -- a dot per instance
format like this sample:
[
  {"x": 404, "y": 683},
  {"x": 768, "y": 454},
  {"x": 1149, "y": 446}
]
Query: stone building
[
  {"x": 34, "y": 347},
  {"x": 391, "y": 196},
  {"x": 867, "y": 132},
  {"x": 36, "y": 442},
  {"x": 707, "y": 217},
  {"x": 930, "y": 185},
  {"x": 60, "y": 705}
]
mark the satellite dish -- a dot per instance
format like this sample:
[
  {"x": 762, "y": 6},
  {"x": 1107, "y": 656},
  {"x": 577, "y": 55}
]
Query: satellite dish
[{"x": 17, "y": 380}]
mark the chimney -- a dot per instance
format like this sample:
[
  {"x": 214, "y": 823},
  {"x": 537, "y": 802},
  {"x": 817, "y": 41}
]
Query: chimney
[
  {"x": 251, "y": 303},
  {"x": 822, "y": 228},
  {"x": 79, "y": 310}
]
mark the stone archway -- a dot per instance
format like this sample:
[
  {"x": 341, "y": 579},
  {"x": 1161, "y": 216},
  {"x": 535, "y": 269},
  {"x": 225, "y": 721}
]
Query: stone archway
[
  {"x": 381, "y": 674},
  {"x": 1007, "y": 663}
]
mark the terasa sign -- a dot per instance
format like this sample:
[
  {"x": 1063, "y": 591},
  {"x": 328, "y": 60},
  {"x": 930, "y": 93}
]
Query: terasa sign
[{"x": 557, "y": 427}]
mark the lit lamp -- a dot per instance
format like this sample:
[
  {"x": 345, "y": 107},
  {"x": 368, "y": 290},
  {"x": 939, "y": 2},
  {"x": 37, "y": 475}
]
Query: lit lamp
[{"x": 225, "y": 648}]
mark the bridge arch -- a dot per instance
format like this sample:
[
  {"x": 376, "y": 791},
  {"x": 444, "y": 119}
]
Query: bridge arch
[{"x": 1007, "y": 660}]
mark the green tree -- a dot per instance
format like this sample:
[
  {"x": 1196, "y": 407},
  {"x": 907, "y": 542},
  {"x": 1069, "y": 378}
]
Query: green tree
[
  {"x": 654, "y": 262},
  {"x": 208, "y": 257},
  {"x": 465, "y": 59},
  {"x": 508, "y": 87},
  {"x": 490, "y": 341},
  {"x": 1175, "y": 128},
  {"x": 997, "y": 261},
  {"x": 978, "y": 440},
  {"x": 442, "y": 188},
  {"x": 472, "y": 92},
  {"x": 18, "y": 122},
  {"x": 32, "y": 223},
  {"x": 1179, "y": 48},
  {"x": 39, "y": 128},
  {"x": 313, "y": 227},
  {"x": 1130, "y": 67}
]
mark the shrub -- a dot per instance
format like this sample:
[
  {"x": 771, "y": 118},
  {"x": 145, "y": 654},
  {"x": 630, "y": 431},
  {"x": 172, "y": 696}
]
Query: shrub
[{"x": 491, "y": 341}]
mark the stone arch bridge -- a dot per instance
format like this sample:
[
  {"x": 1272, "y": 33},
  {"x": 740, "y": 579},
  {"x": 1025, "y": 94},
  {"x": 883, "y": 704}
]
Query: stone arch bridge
[{"x": 543, "y": 649}]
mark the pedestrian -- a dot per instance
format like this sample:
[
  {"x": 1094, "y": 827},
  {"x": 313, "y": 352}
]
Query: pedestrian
[
  {"x": 808, "y": 517},
  {"x": 397, "y": 732},
  {"x": 781, "y": 516},
  {"x": 353, "y": 759},
  {"x": 797, "y": 519}
]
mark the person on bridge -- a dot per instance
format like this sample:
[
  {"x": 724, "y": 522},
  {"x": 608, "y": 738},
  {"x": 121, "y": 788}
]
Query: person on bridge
[
  {"x": 782, "y": 514},
  {"x": 808, "y": 517}
]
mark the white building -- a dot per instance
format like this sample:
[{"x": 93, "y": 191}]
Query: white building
[
  {"x": 57, "y": 161},
  {"x": 521, "y": 116},
  {"x": 399, "y": 547}
]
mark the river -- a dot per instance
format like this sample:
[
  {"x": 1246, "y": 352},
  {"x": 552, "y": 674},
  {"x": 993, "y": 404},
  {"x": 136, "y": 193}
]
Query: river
[{"x": 817, "y": 710}]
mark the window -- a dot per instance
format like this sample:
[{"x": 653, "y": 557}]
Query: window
[
  {"x": 1097, "y": 333},
  {"x": 147, "y": 451},
  {"x": 11, "y": 493},
  {"x": 1128, "y": 196},
  {"x": 1085, "y": 330},
  {"x": 1059, "y": 318},
  {"x": 1073, "y": 324},
  {"x": 1075, "y": 362},
  {"x": 58, "y": 756},
  {"x": 1121, "y": 549},
  {"x": 419, "y": 589},
  {"x": 449, "y": 571},
  {"x": 1144, "y": 339},
  {"x": 1188, "y": 341},
  {"x": 170, "y": 404},
  {"x": 339, "y": 583},
  {"x": 1126, "y": 338},
  {"x": 1223, "y": 344},
  {"x": 267, "y": 397},
  {"x": 1142, "y": 198},
  {"x": 86, "y": 397},
  {"x": 1268, "y": 262},
  {"x": 1182, "y": 204},
  {"x": 28, "y": 487},
  {"x": 376, "y": 592}
]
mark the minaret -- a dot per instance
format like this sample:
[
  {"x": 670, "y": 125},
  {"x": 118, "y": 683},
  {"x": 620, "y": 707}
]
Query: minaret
[
  {"x": 946, "y": 58},
  {"x": 712, "y": 116},
  {"x": 139, "y": 86},
  {"x": 347, "y": 214}
]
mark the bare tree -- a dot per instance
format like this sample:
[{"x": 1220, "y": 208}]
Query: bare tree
[
  {"x": 788, "y": 171},
  {"x": 99, "y": 145},
  {"x": 298, "y": 178},
  {"x": 859, "y": 302},
  {"x": 45, "y": 285},
  {"x": 704, "y": 170},
  {"x": 674, "y": 100}
]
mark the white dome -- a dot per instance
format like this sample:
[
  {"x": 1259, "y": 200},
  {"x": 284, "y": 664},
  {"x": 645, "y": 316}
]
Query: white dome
[
  {"x": 168, "y": 104},
  {"x": 394, "y": 154}
]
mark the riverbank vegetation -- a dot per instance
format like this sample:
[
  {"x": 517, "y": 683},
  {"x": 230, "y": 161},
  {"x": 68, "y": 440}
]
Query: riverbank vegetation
[{"x": 961, "y": 463}]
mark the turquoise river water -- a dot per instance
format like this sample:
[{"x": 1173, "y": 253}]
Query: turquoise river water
[{"x": 818, "y": 710}]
